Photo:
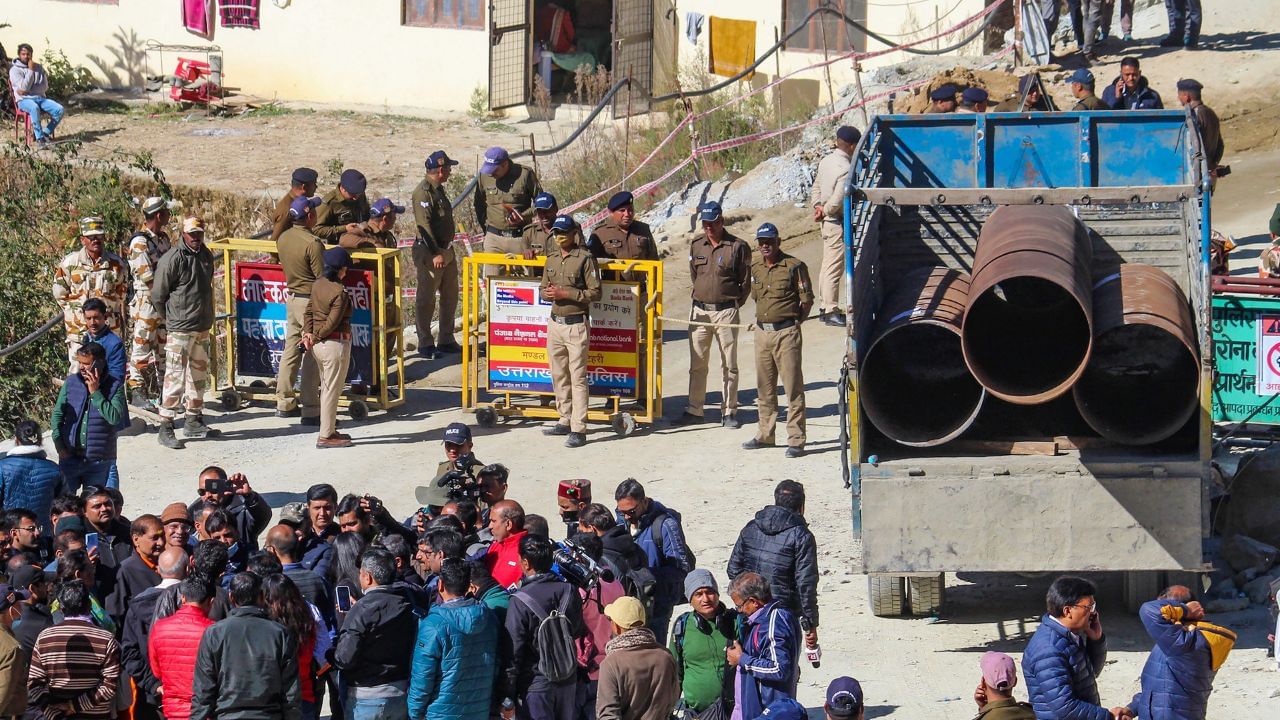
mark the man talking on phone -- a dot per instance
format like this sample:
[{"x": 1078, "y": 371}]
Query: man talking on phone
[
  {"x": 86, "y": 418},
  {"x": 1066, "y": 654}
]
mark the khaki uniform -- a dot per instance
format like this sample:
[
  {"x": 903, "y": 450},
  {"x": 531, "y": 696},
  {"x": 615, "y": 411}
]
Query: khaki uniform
[
  {"x": 635, "y": 242},
  {"x": 516, "y": 189},
  {"x": 1089, "y": 102},
  {"x": 333, "y": 215},
  {"x": 783, "y": 295},
  {"x": 1210, "y": 132},
  {"x": 369, "y": 239},
  {"x": 76, "y": 279},
  {"x": 433, "y": 216},
  {"x": 279, "y": 215},
  {"x": 568, "y": 332},
  {"x": 721, "y": 281},
  {"x": 828, "y": 191},
  {"x": 301, "y": 257},
  {"x": 328, "y": 317},
  {"x": 145, "y": 250},
  {"x": 1269, "y": 261}
]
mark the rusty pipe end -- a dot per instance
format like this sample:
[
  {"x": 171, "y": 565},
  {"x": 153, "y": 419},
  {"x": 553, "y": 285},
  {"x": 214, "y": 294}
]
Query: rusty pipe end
[{"x": 915, "y": 387}]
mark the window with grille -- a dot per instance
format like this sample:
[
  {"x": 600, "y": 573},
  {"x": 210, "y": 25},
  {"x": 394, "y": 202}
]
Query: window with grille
[
  {"x": 445, "y": 13},
  {"x": 838, "y": 33}
]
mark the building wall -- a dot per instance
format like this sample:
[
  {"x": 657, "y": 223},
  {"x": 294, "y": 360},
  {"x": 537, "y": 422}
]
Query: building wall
[{"x": 344, "y": 51}]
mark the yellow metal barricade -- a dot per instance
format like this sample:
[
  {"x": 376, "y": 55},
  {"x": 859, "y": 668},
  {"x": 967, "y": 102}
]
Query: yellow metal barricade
[
  {"x": 387, "y": 338},
  {"x": 506, "y": 403}
]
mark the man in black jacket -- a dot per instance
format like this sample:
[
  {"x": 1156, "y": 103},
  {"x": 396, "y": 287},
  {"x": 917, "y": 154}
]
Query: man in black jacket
[
  {"x": 247, "y": 665},
  {"x": 36, "y": 615},
  {"x": 250, "y": 513},
  {"x": 138, "y": 571},
  {"x": 114, "y": 541},
  {"x": 540, "y": 592},
  {"x": 172, "y": 568},
  {"x": 374, "y": 650},
  {"x": 779, "y": 545}
]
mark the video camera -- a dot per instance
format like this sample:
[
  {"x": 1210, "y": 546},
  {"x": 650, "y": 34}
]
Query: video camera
[
  {"x": 574, "y": 565},
  {"x": 461, "y": 480}
]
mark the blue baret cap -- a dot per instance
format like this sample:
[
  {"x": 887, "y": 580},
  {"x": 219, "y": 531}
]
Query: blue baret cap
[
  {"x": 946, "y": 92},
  {"x": 973, "y": 95},
  {"x": 621, "y": 199},
  {"x": 299, "y": 207},
  {"x": 563, "y": 224},
  {"x": 544, "y": 201},
  {"x": 849, "y": 134},
  {"x": 384, "y": 207},
  {"x": 768, "y": 231},
  {"x": 304, "y": 175},
  {"x": 1082, "y": 76},
  {"x": 337, "y": 258},
  {"x": 352, "y": 181},
  {"x": 710, "y": 211},
  {"x": 1189, "y": 85},
  {"x": 439, "y": 159}
]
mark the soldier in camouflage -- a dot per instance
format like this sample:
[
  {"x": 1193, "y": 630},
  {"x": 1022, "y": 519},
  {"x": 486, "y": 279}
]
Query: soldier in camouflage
[
  {"x": 146, "y": 352},
  {"x": 86, "y": 273}
]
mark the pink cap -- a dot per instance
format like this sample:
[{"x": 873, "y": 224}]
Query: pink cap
[{"x": 998, "y": 671}]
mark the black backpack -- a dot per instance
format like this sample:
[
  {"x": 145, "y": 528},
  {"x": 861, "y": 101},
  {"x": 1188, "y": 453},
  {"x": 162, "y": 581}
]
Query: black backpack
[
  {"x": 656, "y": 534},
  {"x": 637, "y": 582},
  {"x": 557, "y": 654}
]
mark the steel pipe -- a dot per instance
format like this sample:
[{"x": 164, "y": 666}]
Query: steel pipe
[
  {"x": 1027, "y": 328},
  {"x": 915, "y": 386},
  {"x": 1142, "y": 382}
]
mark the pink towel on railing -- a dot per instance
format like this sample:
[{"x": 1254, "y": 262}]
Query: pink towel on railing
[
  {"x": 195, "y": 16},
  {"x": 239, "y": 13}
]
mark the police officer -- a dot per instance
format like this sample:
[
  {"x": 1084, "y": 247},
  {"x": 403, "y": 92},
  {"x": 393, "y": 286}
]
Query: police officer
[
  {"x": 379, "y": 232},
  {"x": 503, "y": 202},
  {"x": 1082, "y": 84},
  {"x": 828, "y": 210},
  {"x": 536, "y": 237},
  {"x": 302, "y": 184},
  {"x": 571, "y": 282},
  {"x": 434, "y": 257},
  {"x": 944, "y": 99},
  {"x": 783, "y": 294},
  {"x": 1206, "y": 122},
  {"x": 146, "y": 352},
  {"x": 621, "y": 236},
  {"x": 458, "y": 451},
  {"x": 302, "y": 259},
  {"x": 973, "y": 100},
  {"x": 720, "y": 266},
  {"x": 343, "y": 209},
  {"x": 90, "y": 272}
]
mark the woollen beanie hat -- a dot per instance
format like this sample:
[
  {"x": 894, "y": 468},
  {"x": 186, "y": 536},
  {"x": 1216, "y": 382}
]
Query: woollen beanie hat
[{"x": 698, "y": 579}]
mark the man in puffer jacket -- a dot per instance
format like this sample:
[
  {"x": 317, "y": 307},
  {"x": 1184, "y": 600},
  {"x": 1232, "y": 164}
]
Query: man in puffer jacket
[
  {"x": 28, "y": 478},
  {"x": 1178, "y": 676},
  {"x": 779, "y": 545},
  {"x": 170, "y": 645},
  {"x": 455, "y": 662},
  {"x": 1063, "y": 659}
]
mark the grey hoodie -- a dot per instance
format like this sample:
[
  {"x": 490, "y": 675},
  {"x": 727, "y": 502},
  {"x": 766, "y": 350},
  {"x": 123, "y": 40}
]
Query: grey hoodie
[{"x": 32, "y": 82}]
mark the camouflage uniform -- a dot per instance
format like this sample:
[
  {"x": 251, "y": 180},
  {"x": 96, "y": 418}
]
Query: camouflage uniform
[
  {"x": 145, "y": 249},
  {"x": 186, "y": 373},
  {"x": 76, "y": 279}
]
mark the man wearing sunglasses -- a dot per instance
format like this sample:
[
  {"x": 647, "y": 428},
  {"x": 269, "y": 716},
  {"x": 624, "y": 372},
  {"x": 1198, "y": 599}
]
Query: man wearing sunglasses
[{"x": 1066, "y": 654}]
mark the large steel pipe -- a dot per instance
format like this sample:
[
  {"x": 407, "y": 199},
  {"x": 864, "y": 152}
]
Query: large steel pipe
[
  {"x": 1027, "y": 327},
  {"x": 914, "y": 384},
  {"x": 1142, "y": 381}
]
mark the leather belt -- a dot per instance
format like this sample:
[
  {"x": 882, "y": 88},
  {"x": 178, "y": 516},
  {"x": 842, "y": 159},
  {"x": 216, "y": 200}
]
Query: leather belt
[
  {"x": 569, "y": 319},
  {"x": 715, "y": 307},
  {"x": 776, "y": 326},
  {"x": 338, "y": 336},
  {"x": 301, "y": 295},
  {"x": 504, "y": 233}
]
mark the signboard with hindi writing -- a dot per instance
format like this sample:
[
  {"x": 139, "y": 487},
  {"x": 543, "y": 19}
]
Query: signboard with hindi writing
[
  {"x": 262, "y": 325},
  {"x": 517, "y": 339},
  {"x": 1246, "y": 356}
]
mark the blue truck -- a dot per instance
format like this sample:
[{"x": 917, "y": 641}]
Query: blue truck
[{"x": 1028, "y": 367}]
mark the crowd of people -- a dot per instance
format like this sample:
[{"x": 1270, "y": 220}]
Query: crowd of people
[{"x": 472, "y": 609}]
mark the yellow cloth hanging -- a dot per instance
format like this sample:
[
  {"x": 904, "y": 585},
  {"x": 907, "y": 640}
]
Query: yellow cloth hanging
[{"x": 732, "y": 46}]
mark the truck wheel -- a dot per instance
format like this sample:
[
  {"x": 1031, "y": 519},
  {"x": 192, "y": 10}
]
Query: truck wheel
[
  {"x": 887, "y": 594},
  {"x": 1139, "y": 587},
  {"x": 924, "y": 594}
]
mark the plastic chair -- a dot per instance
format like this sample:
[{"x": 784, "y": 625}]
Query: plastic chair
[{"x": 22, "y": 130}]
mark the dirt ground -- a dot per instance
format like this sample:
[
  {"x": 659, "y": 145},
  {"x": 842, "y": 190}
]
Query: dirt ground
[{"x": 910, "y": 668}]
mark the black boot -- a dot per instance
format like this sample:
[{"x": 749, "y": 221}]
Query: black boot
[{"x": 167, "y": 437}]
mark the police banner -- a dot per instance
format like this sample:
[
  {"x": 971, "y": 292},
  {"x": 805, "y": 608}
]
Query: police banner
[
  {"x": 261, "y": 321},
  {"x": 517, "y": 339}
]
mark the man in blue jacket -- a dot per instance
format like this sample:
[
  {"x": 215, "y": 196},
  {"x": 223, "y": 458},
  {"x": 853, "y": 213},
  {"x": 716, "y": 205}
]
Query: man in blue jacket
[
  {"x": 657, "y": 531},
  {"x": 1178, "y": 676},
  {"x": 1131, "y": 91},
  {"x": 97, "y": 330},
  {"x": 455, "y": 663},
  {"x": 768, "y": 653},
  {"x": 1063, "y": 659}
]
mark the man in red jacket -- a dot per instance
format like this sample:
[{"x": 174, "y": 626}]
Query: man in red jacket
[
  {"x": 173, "y": 642},
  {"x": 506, "y": 522}
]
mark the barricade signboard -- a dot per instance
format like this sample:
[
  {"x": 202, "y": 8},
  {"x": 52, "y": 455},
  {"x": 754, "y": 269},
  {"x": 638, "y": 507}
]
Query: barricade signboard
[
  {"x": 1246, "y": 356},
  {"x": 262, "y": 325},
  {"x": 517, "y": 339}
]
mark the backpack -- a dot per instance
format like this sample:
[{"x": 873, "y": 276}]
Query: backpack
[
  {"x": 656, "y": 534},
  {"x": 639, "y": 583},
  {"x": 557, "y": 654}
]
